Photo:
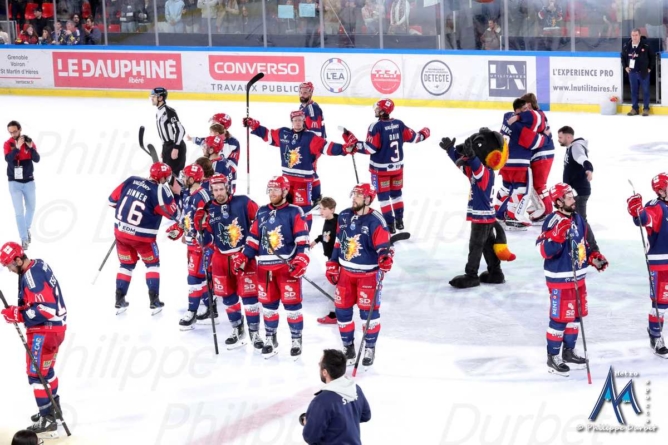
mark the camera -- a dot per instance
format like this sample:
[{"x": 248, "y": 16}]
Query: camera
[{"x": 27, "y": 138}]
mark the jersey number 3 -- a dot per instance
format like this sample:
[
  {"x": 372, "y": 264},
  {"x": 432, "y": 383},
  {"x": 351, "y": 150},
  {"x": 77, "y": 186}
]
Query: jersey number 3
[
  {"x": 394, "y": 145},
  {"x": 134, "y": 214}
]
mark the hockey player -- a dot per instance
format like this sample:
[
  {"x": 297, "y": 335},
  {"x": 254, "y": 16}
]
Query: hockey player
[
  {"x": 193, "y": 198},
  {"x": 385, "y": 145},
  {"x": 141, "y": 204},
  {"x": 300, "y": 149},
  {"x": 541, "y": 164},
  {"x": 315, "y": 122},
  {"x": 278, "y": 239},
  {"x": 524, "y": 137},
  {"x": 651, "y": 216},
  {"x": 171, "y": 132},
  {"x": 478, "y": 157},
  {"x": 362, "y": 247},
  {"x": 42, "y": 310},
  {"x": 226, "y": 224},
  {"x": 221, "y": 145},
  {"x": 562, "y": 230}
]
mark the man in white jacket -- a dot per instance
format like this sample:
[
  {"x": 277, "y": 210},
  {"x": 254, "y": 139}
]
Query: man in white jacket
[
  {"x": 173, "y": 11},
  {"x": 209, "y": 15}
]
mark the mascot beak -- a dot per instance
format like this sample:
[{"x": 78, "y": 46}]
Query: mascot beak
[{"x": 496, "y": 159}]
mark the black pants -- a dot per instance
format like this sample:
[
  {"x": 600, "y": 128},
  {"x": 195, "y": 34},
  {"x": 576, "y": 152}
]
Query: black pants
[
  {"x": 581, "y": 205},
  {"x": 19, "y": 8},
  {"x": 482, "y": 243},
  {"x": 177, "y": 164}
]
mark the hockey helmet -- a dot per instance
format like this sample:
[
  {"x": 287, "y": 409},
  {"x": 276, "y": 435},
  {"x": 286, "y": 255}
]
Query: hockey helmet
[
  {"x": 308, "y": 86},
  {"x": 215, "y": 143},
  {"x": 9, "y": 252},
  {"x": 385, "y": 106},
  {"x": 223, "y": 119},
  {"x": 298, "y": 113},
  {"x": 366, "y": 190},
  {"x": 160, "y": 92},
  {"x": 559, "y": 190},
  {"x": 279, "y": 182},
  {"x": 160, "y": 170},
  {"x": 660, "y": 182},
  {"x": 194, "y": 171}
]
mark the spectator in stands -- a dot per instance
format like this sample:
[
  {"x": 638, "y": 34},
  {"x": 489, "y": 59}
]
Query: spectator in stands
[
  {"x": 638, "y": 61},
  {"x": 228, "y": 14},
  {"x": 144, "y": 17},
  {"x": 192, "y": 16},
  {"x": 38, "y": 22},
  {"x": 310, "y": 26},
  {"x": 63, "y": 10},
  {"x": 46, "y": 38},
  {"x": 349, "y": 16},
  {"x": 399, "y": 17},
  {"x": 491, "y": 38},
  {"x": 58, "y": 36},
  {"x": 4, "y": 37},
  {"x": 370, "y": 15},
  {"x": 76, "y": 19},
  {"x": 612, "y": 20},
  {"x": 71, "y": 36},
  {"x": 332, "y": 10},
  {"x": 92, "y": 35},
  {"x": 550, "y": 18},
  {"x": 209, "y": 14},
  {"x": 94, "y": 5},
  {"x": 244, "y": 22},
  {"x": 19, "y": 11},
  {"x": 28, "y": 36},
  {"x": 128, "y": 16},
  {"x": 173, "y": 12}
]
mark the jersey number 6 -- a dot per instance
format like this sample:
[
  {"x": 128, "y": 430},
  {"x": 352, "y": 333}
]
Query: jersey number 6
[{"x": 134, "y": 215}]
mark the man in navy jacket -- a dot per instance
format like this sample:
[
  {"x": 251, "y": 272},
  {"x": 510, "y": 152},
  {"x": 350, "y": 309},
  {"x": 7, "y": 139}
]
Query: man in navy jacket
[{"x": 334, "y": 415}]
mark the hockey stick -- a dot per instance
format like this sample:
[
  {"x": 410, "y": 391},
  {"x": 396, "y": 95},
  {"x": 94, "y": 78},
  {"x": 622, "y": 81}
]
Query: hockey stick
[
  {"x": 151, "y": 149},
  {"x": 578, "y": 301},
  {"x": 379, "y": 285},
  {"x": 357, "y": 178},
  {"x": 655, "y": 303},
  {"x": 104, "y": 261},
  {"x": 212, "y": 297},
  {"x": 249, "y": 85},
  {"x": 33, "y": 361}
]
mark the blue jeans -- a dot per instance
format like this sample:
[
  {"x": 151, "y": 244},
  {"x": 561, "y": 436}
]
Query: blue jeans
[
  {"x": 23, "y": 192},
  {"x": 634, "y": 80}
]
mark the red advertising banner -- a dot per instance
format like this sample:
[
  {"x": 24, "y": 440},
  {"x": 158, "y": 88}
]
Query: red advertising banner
[
  {"x": 117, "y": 70},
  {"x": 243, "y": 68}
]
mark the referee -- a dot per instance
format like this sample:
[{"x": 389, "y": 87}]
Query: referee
[{"x": 171, "y": 132}]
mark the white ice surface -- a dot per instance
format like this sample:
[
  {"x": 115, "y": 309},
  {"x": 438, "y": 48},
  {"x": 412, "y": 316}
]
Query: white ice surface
[{"x": 452, "y": 367}]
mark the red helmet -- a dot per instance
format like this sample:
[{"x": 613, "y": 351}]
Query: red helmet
[
  {"x": 160, "y": 170},
  {"x": 223, "y": 119},
  {"x": 298, "y": 113},
  {"x": 559, "y": 190},
  {"x": 279, "y": 182},
  {"x": 660, "y": 182},
  {"x": 385, "y": 105},
  {"x": 306, "y": 85},
  {"x": 368, "y": 190},
  {"x": 215, "y": 143},
  {"x": 9, "y": 252},
  {"x": 194, "y": 171},
  {"x": 218, "y": 179}
]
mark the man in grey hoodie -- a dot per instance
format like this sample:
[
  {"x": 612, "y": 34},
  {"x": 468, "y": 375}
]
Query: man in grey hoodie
[
  {"x": 334, "y": 415},
  {"x": 578, "y": 171}
]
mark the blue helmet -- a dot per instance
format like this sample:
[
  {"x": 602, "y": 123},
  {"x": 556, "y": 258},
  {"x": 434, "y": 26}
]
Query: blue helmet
[{"x": 160, "y": 92}]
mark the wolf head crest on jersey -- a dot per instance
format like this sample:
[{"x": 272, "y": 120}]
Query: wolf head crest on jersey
[
  {"x": 273, "y": 240},
  {"x": 232, "y": 233},
  {"x": 350, "y": 246},
  {"x": 293, "y": 157}
]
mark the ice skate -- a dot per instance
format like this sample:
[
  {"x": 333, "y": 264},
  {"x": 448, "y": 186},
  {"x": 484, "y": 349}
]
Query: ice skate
[
  {"x": 369, "y": 356},
  {"x": 258, "y": 344},
  {"x": 45, "y": 427},
  {"x": 187, "y": 323},
  {"x": 296, "y": 350},
  {"x": 270, "y": 347},
  {"x": 555, "y": 365},
  {"x": 121, "y": 304},
  {"x": 572, "y": 360},
  {"x": 237, "y": 338},
  {"x": 399, "y": 223},
  {"x": 658, "y": 346},
  {"x": 349, "y": 352},
  {"x": 206, "y": 315},
  {"x": 35, "y": 417},
  {"x": 156, "y": 304}
]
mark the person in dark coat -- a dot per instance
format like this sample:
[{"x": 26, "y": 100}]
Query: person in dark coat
[{"x": 638, "y": 60}]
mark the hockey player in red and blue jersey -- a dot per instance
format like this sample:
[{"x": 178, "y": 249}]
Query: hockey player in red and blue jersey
[
  {"x": 226, "y": 224},
  {"x": 315, "y": 122},
  {"x": 362, "y": 247},
  {"x": 524, "y": 138},
  {"x": 385, "y": 146},
  {"x": 279, "y": 241},
  {"x": 42, "y": 310},
  {"x": 193, "y": 198},
  {"x": 140, "y": 205},
  {"x": 300, "y": 149},
  {"x": 566, "y": 234},
  {"x": 478, "y": 157},
  {"x": 213, "y": 147},
  {"x": 651, "y": 216}
]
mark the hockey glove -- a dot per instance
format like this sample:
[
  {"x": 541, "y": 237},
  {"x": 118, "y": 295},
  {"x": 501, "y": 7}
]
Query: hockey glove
[
  {"x": 634, "y": 205},
  {"x": 559, "y": 232},
  {"x": 349, "y": 138},
  {"x": 333, "y": 272},
  {"x": 597, "y": 260},
  {"x": 238, "y": 262},
  {"x": 12, "y": 314},
  {"x": 298, "y": 265},
  {"x": 425, "y": 133},
  {"x": 251, "y": 123},
  {"x": 385, "y": 260},
  {"x": 201, "y": 220},
  {"x": 351, "y": 148},
  {"x": 174, "y": 232},
  {"x": 446, "y": 143}
]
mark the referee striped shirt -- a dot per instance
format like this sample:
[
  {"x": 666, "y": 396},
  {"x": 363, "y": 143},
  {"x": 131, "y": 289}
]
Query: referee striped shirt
[{"x": 169, "y": 126}]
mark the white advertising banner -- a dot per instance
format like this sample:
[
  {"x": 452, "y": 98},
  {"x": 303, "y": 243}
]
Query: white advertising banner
[
  {"x": 585, "y": 80},
  {"x": 25, "y": 69}
]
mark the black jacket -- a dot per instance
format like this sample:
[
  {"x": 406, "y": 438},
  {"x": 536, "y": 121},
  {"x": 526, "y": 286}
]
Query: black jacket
[
  {"x": 643, "y": 55},
  {"x": 329, "y": 229},
  {"x": 576, "y": 165}
]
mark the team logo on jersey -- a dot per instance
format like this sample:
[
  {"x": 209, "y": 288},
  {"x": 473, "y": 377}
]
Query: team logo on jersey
[
  {"x": 273, "y": 240},
  {"x": 350, "y": 246},
  {"x": 232, "y": 233},
  {"x": 582, "y": 254},
  {"x": 292, "y": 157},
  {"x": 187, "y": 222}
]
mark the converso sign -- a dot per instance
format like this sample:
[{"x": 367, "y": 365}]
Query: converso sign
[
  {"x": 117, "y": 70},
  {"x": 243, "y": 68}
]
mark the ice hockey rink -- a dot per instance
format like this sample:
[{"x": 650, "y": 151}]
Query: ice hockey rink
[{"x": 452, "y": 366}]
